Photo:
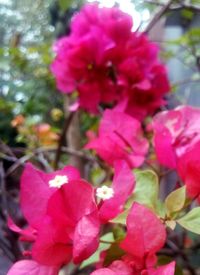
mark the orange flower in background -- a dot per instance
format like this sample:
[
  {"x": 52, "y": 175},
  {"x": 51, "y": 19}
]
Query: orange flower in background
[
  {"x": 18, "y": 121},
  {"x": 45, "y": 134}
]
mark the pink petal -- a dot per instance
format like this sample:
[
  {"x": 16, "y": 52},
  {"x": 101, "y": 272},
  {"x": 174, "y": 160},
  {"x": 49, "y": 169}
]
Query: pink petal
[
  {"x": 104, "y": 271},
  {"x": 168, "y": 269},
  {"x": 86, "y": 237},
  {"x": 189, "y": 170},
  {"x": 35, "y": 191},
  {"x": 145, "y": 232},
  {"x": 27, "y": 234},
  {"x": 25, "y": 267},
  {"x": 53, "y": 246},
  {"x": 71, "y": 202},
  {"x": 116, "y": 268},
  {"x": 123, "y": 184}
]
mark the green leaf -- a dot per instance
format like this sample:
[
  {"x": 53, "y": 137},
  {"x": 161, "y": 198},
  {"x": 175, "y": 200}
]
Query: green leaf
[
  {"x": 65, "y": 4},
  {"x": 113, "y": 253},
  {"x": 121, "y": 218},
  {"x": 146, "y": 190},
  {"x": 118, "y": 232},
  {"x": 175, "y": 201},
  {"x": 191, "y": 221},
  {"x": 187, "y": 14}
]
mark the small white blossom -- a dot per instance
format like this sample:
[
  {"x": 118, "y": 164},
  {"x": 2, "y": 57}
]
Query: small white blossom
[
  {"x": 58, "y": 181},
  {"x": 104, "y": 192}
]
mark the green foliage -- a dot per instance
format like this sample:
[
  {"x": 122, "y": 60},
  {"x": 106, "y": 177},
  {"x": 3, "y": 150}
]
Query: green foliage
[
  {"x": 191, "y": 221},
  {"x": 146, "y": 192},
  {"x": 65, "y": 4},
  {"x": 146, "y": 189},
  {"x": 113, "y": 253},
  {"x": 187, "y": 14},
  {"x": 175, "y": 201},
  {"x": 121, "y": 218}
]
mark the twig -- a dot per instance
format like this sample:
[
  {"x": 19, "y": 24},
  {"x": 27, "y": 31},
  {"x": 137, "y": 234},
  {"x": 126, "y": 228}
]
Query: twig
[
  {"x": 3, "y": 191},
  {"x": 38, "y": 151},
  {"x": 6, "y": 149},
  {"x": 182, "y": 254},
  {"x": 44, "y": 162},
  {"x": 18, "y": 163},
  {"x": 62, "y": 139},
  {"x": 158, "y": 15},
  {"x": 175, "y": 6}
]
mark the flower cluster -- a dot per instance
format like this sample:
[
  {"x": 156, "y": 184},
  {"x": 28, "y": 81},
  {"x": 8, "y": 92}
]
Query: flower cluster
[
  {"x": 122, "y": 139},
  {"x": 65, "y": 214},
  {"x": 106, "y": 62},
  {"x": 145, "y": 236},
  {"x": 177, "y": 143}
]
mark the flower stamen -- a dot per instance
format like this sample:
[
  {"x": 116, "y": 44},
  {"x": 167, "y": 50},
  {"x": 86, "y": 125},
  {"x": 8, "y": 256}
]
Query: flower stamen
[
  {"x": 104, "y": 192},
  {"x": 58, "y": 181}
]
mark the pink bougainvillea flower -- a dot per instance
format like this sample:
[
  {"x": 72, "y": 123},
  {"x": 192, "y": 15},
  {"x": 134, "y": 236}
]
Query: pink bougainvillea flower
[
  {"x": 146, "y": 235},
  {"x": 30, "y": 267},
  {"x": 120, "y": 138},
  {"x": 62, "y": 213},
  {"x": 116, "y": 268},
  {"x": 115, "y": 23},
  {"x": 168, "y": 269},
  {"x": 120, "y": 66},
  {"x": 114, "y": 197},
  {"x": 175, "y": 132},
  {"x": 189, "y": 170},
  {"x": 122, "y": 268},
  {"x": 37, "y": 187},
  {"x": 71, "y": 229},
  {"x": 27, "y": 234}
]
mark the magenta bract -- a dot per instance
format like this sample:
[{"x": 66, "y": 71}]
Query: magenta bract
[
  {"x": 121, "y": 66},
  {"x": 120, "y": 138}
]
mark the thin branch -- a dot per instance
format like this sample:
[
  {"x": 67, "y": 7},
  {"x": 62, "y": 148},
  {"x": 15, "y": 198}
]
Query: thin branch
[
  {"x": 158, "y": 15},
  {"x": 183, "y": 255},
  {"x": 18, "y": 163},
  {"x": 62, "y": 139},
  {"x": 175, "y": 6},
  {"x": 44, "y": 162},
  {"x": 3, "y": 191},
  {"x": 5, "y": 148},
  {"x": 37, "y": 153}
]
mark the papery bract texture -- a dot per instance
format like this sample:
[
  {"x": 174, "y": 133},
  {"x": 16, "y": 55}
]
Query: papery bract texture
[
  {"x": 146, "y": 235},
  {"x": 189, "y": 170},
  {"x": 123, "y": 185},
  {"x": 35, "y": 191},
  {"x": 116, "y": 268},
  {"x": 168, "y": 269},
  {"x": 175, "y": 132},
  {"x": 146, "y": 232},
  {"x": 120, "y": 138},
  {"x": 73, "y": 225},
  {"x": 30, "y": 267}
]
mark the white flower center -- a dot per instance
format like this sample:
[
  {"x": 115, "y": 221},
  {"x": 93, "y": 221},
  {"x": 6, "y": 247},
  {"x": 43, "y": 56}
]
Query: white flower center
[
  {"x": 58, "y": 181},
  {"x": 104, "y": 192}
]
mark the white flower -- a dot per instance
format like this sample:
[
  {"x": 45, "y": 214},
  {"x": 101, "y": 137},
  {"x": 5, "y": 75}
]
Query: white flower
[
  {"x": 58, "y": 181},
  {"x": 104, "y": 192}
]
